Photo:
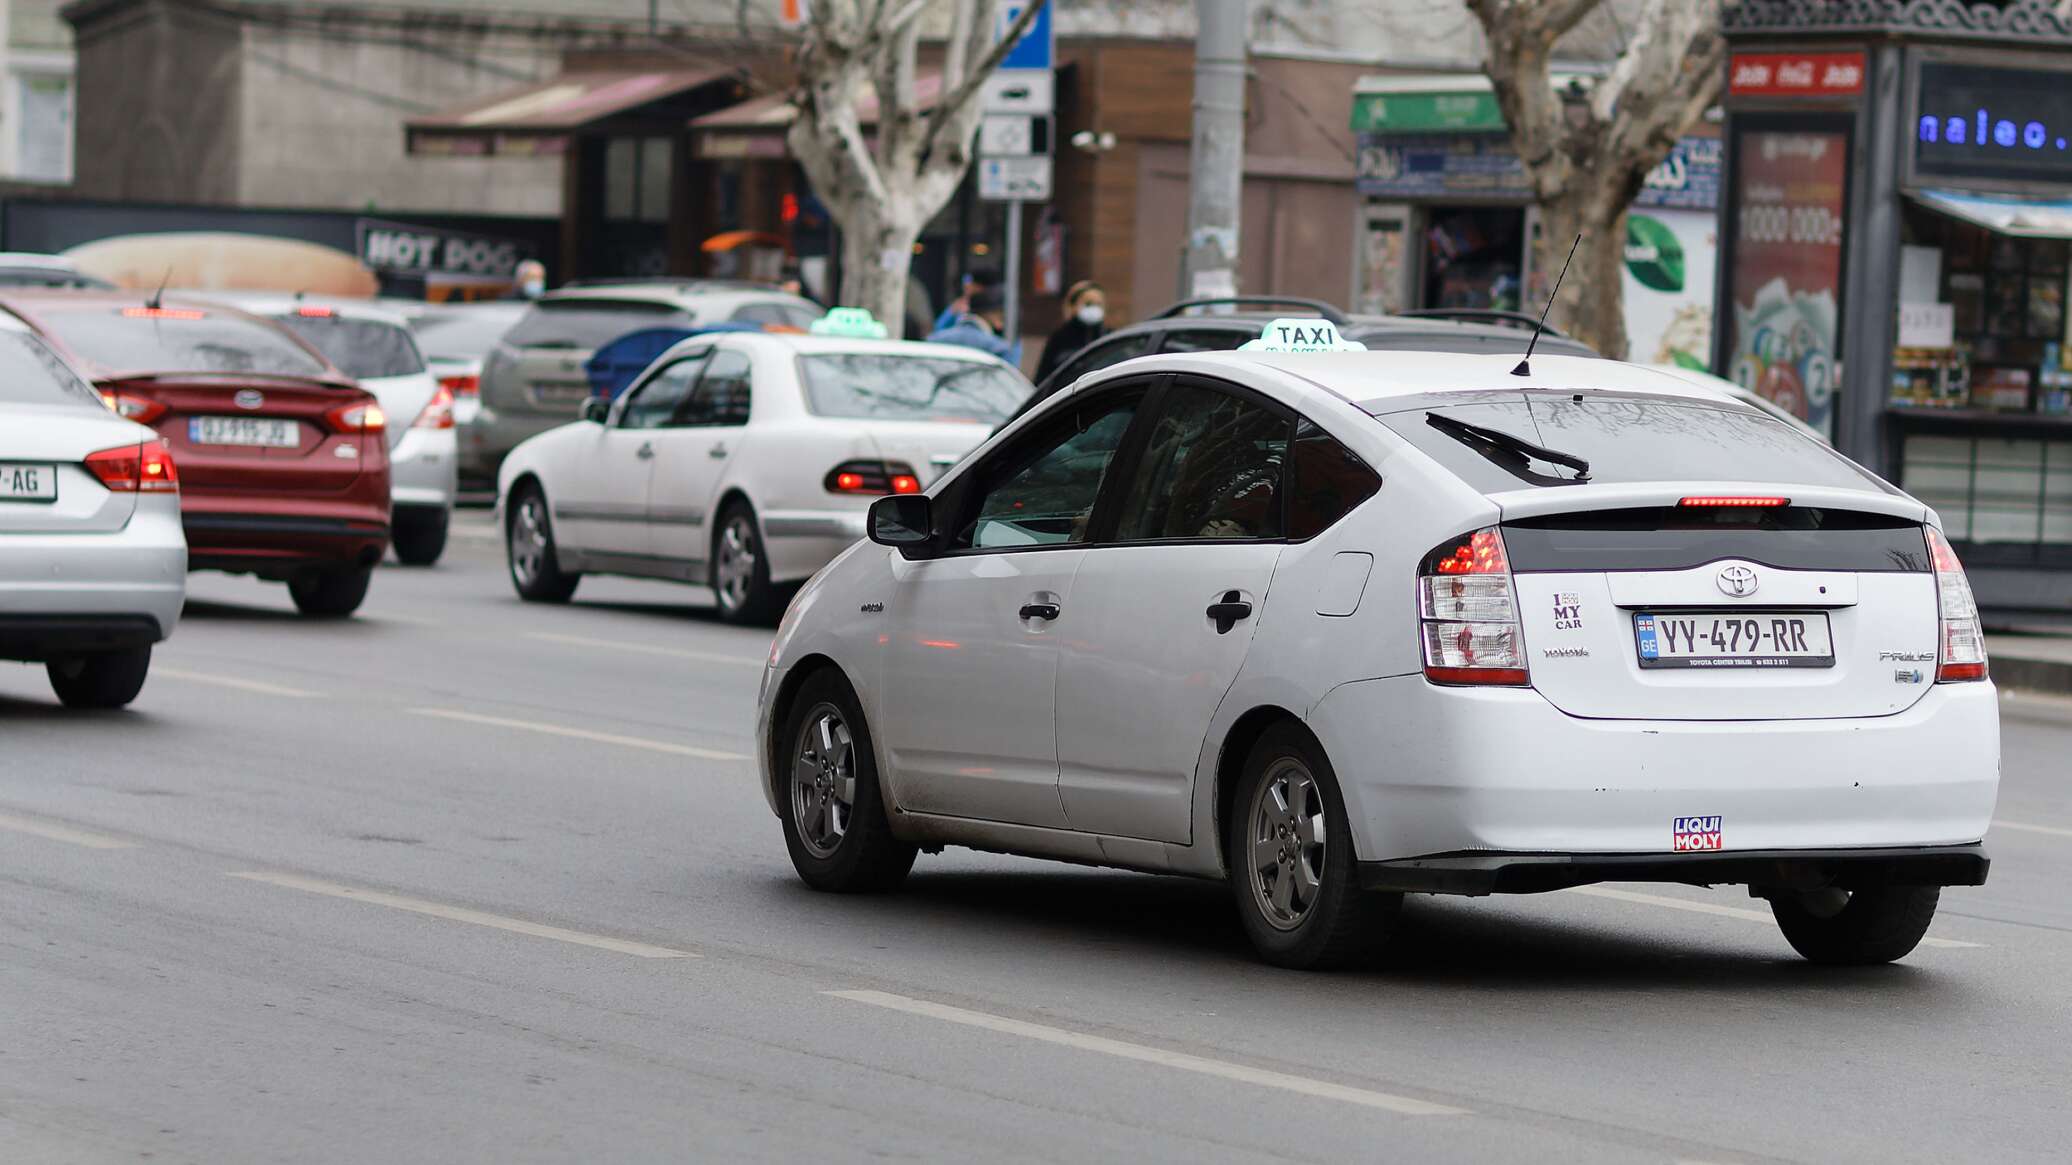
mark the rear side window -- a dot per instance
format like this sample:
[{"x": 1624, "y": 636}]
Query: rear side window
[
  {"x": 1675, "y": 538},
  {"x": 1101, "y": 355},
  {"x": 179, "y": 339},
  {"x": 362, "y": 349},
  {"x": 1625, "y": 439},
  {"x": 583, "y": 324},
  {"x": 1328, "y": 480},
  {"x": 32, "y": 374},
  {"x": 1211, "y": 469}
]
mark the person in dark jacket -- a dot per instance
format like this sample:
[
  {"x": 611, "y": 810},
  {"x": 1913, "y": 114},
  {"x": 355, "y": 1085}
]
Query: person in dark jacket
[{"x": 1086, "y": 309}]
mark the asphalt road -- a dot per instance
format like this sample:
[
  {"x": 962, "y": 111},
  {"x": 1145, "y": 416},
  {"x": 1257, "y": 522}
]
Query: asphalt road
[{"x": 468, "y": 880}]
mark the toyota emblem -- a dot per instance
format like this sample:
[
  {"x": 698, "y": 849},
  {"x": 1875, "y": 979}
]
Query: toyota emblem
[
  {"x": 1738, "y": 581},
  {"x": 249, "y": 398}
]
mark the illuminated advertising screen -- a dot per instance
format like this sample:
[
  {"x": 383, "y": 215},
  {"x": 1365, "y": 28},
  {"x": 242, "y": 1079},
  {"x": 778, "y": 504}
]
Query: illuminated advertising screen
[
  {"x": 1784, "y": 281},
  {"x": 1980, "y": 121}
]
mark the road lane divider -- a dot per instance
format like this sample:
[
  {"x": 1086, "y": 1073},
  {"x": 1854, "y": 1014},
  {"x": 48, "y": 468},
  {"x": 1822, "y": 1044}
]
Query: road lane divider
[
  {"x": 463, "y": 914},
  {"x": 64, "y": 833},
  {"x": 234, "y": 683},
  {"x": 580, "y": 734},
  {"x": 1145, "y": 1054},
  {"x": 646, "y": 648},
  {"x": 2019, "y": 827},
  {"x": 1762, "y": 916}
]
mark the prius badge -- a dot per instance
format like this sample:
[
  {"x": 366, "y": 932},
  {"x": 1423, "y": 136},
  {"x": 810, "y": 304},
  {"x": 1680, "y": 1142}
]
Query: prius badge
[{"x": 1738, "y": 581}]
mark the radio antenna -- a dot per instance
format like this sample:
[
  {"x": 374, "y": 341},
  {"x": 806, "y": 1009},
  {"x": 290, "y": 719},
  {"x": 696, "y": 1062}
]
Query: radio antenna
[{"x": 1525, "y": 366}]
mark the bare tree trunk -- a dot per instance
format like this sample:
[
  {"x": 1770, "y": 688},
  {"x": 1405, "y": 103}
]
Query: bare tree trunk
[
  {"x": 877, "y": 248},
  {"x": 1591, "y": 306}
]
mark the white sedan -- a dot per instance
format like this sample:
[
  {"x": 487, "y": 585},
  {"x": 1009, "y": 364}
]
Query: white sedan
[
  {"x": 93, "y": 562},
  {"x": 743, "y": 461},
  {"x": 1339, "y": 625}
]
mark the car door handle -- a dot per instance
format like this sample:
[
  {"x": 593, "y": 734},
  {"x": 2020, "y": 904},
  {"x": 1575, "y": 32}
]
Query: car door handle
[
  {"x": 717, "y": 452},
  {"x": 1226, "y": 614},
  {"x": 1044, "y": 611},
  {"x": 646, "y": 450}
]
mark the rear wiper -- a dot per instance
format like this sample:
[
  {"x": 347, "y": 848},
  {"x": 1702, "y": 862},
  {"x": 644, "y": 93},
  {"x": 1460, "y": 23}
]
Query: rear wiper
[
  {"x": 1497, "y": 439},
  {"x": 552, "y": 344}
]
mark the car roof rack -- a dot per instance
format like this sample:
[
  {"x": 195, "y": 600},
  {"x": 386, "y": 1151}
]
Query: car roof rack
[
  {"x": 1319, "y": 307},
  {"x": 1481, "y": 315}
]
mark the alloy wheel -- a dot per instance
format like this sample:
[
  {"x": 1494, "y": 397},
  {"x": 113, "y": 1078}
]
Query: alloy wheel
[
  {"x": 1287, "y": 851},
  {"x": 528, "y": 540},
  {"x": 734, "y": 575},
  {"x": 823, "y": 781}
]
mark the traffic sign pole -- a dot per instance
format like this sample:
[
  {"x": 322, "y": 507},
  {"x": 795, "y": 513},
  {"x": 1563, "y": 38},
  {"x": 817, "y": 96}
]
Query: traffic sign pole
[{"x": 1013, "y": 330}]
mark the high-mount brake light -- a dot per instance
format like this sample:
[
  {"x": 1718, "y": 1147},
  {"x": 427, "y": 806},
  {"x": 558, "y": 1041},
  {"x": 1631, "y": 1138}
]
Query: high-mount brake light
[
  {"x": 1961, "y": 650},
  {"x": 359, "y": 417},
  {"x": 164, "y": 313},
  {"x": 1727, "y": 501},
  {"x": 1468, "y": 613},
  {"x": 146, "y": 468},
  {"x": 315, "y": 313},
  {"x": 133, "y": 408},
  {"x": 873, "y": 478}
]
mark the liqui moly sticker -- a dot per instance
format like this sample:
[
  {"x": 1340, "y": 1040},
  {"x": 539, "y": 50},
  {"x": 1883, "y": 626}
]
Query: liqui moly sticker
[{"x": 1694, "y": 833}]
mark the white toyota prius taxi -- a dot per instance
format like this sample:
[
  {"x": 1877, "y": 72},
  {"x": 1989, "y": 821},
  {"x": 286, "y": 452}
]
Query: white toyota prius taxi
[{"x": 1336, "y": 626}]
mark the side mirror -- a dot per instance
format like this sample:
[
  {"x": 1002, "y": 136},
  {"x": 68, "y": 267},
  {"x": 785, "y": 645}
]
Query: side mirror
[
  {"x": 596, "y": 409},
  {"x": 902, "y": 521}
]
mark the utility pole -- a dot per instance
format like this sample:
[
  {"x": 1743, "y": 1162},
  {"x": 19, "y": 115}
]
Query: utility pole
[{"x": 1216, "y": 175}]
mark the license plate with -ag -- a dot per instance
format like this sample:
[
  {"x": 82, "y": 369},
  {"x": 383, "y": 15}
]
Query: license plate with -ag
[
  {"x": 1733, "y": 639},
  {"x": 265, "y": 432},
  {"x": 28, "y": 483}
]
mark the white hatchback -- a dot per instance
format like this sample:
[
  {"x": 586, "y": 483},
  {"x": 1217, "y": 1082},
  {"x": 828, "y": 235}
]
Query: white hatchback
[
  {"x": 743, "y": 461},
  {"x": 1337, "y": 626}
]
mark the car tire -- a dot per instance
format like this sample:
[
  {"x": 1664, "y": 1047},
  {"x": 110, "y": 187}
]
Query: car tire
[
  {"x": 1290, "y": 853},
  {"x": 103, "y": 679},
  {"x": 832, "y": 805},
  {"x": 529, "y": 550},
  {"x": 330, "y": 594},
  {"x": 1874, "y": 925},
  {"x": 420, "y": 535},
  {"x": 740, "y": 570}
]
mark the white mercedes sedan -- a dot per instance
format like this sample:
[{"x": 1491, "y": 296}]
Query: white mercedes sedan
[
  {"x": 743, "y": 461},
  {"x": 93, "y": 562},
  {"x": 1336, "y": 626}
]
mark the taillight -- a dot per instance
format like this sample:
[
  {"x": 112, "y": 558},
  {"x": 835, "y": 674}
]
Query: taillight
[
  {"x": 438, "y": 411},
  {"x": 874, "y": 478},
  {"x": 461, "y": 386},
  {"x": 134, "y": 408},
  {"x": 146, "y": 468},
  {"x": 1963, "y": 650},
  {"x": 1468, "y": 613},
  {"x": 363, "y": 417}
]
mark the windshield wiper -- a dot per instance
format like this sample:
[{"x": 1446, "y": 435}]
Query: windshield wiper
[{"x": 1486, "y": 441}]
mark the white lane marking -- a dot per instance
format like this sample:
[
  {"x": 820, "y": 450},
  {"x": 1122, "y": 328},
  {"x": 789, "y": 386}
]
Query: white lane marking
[
  {"x": 581, "y": 734},
  {"x": 61, "y": 833},
  {"x": 645, "y": 648},
  {"x": 264, "y": 689},
  {"x": 2016, "y": 825},
  {"x": 1762, "y": 916},
  {"x": 462, "y": 914},
  {"x": 1324, "y": 1089}
]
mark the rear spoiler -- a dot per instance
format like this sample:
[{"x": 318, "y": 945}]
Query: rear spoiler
[
  {"x": 341, "y": 383},
  {"x": 1533, "y": 503}
]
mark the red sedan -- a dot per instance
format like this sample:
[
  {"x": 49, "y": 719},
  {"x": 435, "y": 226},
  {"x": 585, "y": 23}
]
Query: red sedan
[{"x": 284, "y": 472}]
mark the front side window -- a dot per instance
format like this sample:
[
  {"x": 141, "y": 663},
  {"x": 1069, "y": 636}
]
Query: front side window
[
  {"x": 722, "y": 395},
  {"x": 181, "y": 339},
  {"x": 1211, "y": 469},
  {"x": 653, "y": 404},
  {"x": 1042, "y": 492},
  {"x": 884, "y": 387},
  {"x": 362, "y": 349}
]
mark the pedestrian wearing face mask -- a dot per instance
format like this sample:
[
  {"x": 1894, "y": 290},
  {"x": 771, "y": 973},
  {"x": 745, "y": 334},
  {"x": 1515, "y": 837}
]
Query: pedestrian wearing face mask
[{"x": 1086, "y": 310}]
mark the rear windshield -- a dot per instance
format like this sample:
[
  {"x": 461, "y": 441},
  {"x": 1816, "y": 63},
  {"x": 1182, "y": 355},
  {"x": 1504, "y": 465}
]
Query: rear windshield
[
  {"x": 907, "y": 388},
  {"x": 1625, "y": 439},
  {"x": 362, "y": 349},
  {"x": 1678, "y": 538},
  {"x": 30, "y": 373},
  {"x": 462, "y": 334},
  {"x": 584, "y": 324},
  {"x": 179, "y": 339}
]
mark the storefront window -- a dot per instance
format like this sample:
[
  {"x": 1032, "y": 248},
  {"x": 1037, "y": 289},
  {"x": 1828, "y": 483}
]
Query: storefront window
[
  {"x": 1783, "y": 334},
  {"x": 1474, "y": 257}
]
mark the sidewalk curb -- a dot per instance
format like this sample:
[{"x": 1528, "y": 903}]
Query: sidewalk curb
[{"x": 2050, "y": 676}]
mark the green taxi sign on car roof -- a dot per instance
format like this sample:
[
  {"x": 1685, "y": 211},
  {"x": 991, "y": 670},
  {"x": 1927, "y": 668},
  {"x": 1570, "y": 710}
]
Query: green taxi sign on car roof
[
  {"x": 853, "y": 322},
  {"x": 1301, "y": 335}
]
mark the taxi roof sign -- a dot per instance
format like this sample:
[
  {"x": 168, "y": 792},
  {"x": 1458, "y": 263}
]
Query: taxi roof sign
[
  {"x": 1301, "y": 335},
  {"x": 854, "y": 322}
]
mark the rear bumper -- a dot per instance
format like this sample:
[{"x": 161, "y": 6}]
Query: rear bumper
[
  {"x": 278, "y": 544},
  {"x": 802, "y": 541},
  {"x": 58, "y": 585},
  {"x": 1518, "y": 873},
  {"x": 1458, "y": 771},
  {"x": 424, "y": 468},
  {"x": 37, "y": 638}
]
